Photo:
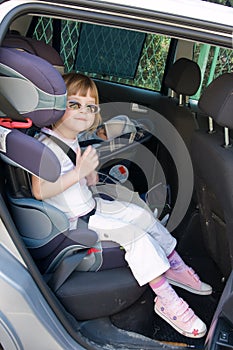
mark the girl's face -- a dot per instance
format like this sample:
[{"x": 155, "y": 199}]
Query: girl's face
[{"x": 79, "y": 115}]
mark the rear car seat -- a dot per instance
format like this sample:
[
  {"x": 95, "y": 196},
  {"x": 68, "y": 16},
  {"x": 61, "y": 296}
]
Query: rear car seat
[
  {"x": 213, "y": 167},
  {"x": 183, "y": 79}
]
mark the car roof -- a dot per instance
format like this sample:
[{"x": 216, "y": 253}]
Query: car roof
[
  {"x": 198, "y": 9},
  {"x": 194, "y": 20}
]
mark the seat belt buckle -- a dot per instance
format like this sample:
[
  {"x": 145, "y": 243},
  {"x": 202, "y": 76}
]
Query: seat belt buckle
[{"x": 10, "y": 124}]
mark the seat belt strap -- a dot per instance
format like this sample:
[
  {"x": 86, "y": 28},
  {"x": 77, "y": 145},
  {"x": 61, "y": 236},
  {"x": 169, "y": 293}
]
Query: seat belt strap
[{"x": 68, "y": 151}]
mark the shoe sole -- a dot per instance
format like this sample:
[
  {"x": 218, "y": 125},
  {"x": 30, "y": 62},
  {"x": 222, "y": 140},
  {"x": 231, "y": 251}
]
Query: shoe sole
[
  {"x": 188, "y": 288},
  {"x": 181, "y": 331}
]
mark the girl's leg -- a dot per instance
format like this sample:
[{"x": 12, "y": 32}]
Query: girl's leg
[
  {"x": 145, "y": 257},
  {"x": 131, "y": 214},
  {"x": 175, "y": 310},
  {"x": 179, "y": 273},
  {"x": 134, "y": 222},
  {"x": 147, "y": 260},
  {"x": 184, "y": 276}
]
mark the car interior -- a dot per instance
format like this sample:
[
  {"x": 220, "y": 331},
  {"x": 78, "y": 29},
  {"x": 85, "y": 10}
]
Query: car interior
[{"x": 97, "y": 293}]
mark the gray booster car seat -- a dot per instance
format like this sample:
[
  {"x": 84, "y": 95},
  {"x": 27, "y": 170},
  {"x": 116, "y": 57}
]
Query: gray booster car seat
[{"x": 34, "y": 91}]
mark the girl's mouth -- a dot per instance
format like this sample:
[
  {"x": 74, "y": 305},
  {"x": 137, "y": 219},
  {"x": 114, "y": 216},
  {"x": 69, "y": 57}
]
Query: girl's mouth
[{"x": 80, "y": 118}]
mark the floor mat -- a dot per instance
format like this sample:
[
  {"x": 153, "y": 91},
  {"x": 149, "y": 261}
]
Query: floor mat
[{"x": 141, "y": 318}]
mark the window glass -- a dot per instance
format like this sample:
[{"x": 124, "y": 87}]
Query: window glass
[
  {"x": 109, "y": 51},
  {"x": 142, "y": 68},
  {"x": 213, "y": 61},
  {"x": 137, "y": 59},
  {"x": 123, "y": 56},
  {"x": 69, "y": 41},
  {"x": 44, "y": 30}
]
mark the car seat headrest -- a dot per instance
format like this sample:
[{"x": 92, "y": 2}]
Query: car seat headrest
[
  {"x": 184, "y": 77},
  {"x": 217, "y": 100},
  {"x": 37, "y": 91},
  {"x": 32, "y": 85},
  {"x": 36, "y": 47}
]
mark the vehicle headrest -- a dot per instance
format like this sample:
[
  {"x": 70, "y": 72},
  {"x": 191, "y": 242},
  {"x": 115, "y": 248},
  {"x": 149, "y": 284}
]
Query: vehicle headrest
[
  {"x": 36, "y": 47},
  {"x": 37, "y": 91},
  {"x": 217, "y": 100},
  {"x": 184, "y": 77},
  {"x": 32, "y": 85}
]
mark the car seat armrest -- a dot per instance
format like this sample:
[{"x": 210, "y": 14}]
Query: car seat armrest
[
  {"x": 76, "y": 241},
  {"x": 85, "y": 237}
]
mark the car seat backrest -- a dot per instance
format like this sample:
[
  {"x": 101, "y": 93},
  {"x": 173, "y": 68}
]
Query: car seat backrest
[
  {"x": 38, "y": 92},
  {"x": 217, "y": 100},
  {"x": 212, "y": 157},
  {"x": 183, "y": 78}
]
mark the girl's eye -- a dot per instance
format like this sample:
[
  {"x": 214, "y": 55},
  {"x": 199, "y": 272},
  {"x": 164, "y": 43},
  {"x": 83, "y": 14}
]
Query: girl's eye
[
  {"x": 92, "y": 108},
  {"x": 74, "y": 105},
  {"x": 89, "y": 108}
]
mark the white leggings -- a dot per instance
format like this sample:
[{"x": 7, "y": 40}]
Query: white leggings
[{"x": 146, "y": 241}]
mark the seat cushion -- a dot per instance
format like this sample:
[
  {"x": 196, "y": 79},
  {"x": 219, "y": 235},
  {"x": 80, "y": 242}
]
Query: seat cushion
[{"x": 99, "y": 294}]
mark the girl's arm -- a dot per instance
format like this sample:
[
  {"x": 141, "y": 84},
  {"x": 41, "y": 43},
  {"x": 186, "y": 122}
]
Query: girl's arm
[{"x": 85, "y": 165}]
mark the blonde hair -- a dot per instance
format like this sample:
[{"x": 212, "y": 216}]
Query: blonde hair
[{"x": 76, "y": 82}]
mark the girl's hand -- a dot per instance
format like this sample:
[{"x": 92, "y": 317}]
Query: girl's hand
[
  {"x": 92, "y": 178},
  {"x": 87, "y": 162},
  {"x": 85, "y": 165}
]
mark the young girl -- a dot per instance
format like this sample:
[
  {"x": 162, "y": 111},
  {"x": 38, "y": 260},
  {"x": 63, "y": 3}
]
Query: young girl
[{"x": 149, "y": 247}]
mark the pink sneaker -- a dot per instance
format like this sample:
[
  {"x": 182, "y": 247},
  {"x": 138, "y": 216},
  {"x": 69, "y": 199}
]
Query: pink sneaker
[
  {"x": 187, "y": 279},
  {"x": 179, "y": 315}
]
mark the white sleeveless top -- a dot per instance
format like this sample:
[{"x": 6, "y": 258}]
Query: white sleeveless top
[{"x": 77, "y": 200}]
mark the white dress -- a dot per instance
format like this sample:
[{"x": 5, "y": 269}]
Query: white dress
[{"x": 146, "y": 241}]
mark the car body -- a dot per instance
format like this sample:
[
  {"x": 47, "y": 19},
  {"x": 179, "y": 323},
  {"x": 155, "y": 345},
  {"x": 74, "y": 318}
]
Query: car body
[{"x": 144, "y": 39}]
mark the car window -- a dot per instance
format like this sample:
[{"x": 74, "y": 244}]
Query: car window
[
  {"x": 213, "y": 61},
  {"x": 127, "y": 57},
  {"x": 109, "y": 51}
]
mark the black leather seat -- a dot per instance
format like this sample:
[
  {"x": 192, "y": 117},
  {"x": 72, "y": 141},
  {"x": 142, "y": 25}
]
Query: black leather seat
[
  {"x": 213, "y": 167},
  {"x": 183, "y": 79}
]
